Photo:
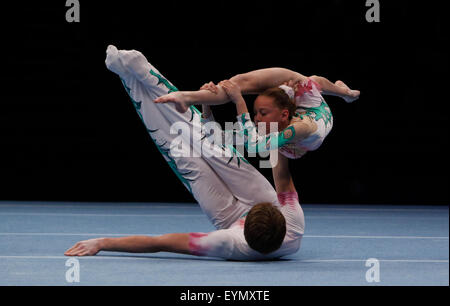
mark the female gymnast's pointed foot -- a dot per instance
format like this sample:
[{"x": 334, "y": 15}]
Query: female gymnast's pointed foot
[
  {"x": 177, "y": 98},
  {"x": 352, "y": 95}
]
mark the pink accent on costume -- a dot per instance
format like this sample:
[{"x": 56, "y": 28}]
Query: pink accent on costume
[
  {"x": 307, "y": 88},
  {"x": 194, "y": 244},
  {"x": 289, "y": 198},
  {"x": 240, "y": 223}
]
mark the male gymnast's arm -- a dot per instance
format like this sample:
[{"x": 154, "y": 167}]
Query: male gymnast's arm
[
  {"x": 217, "y": 244},
  {"x": 282, "y": 175},
  {"x": 175, "y": 243}
]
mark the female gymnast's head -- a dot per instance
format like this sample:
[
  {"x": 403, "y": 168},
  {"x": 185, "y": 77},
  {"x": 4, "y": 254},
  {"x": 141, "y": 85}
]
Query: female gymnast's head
[
  {"x": 264, "y": 228},
  {"x": 274, "y": 105}
]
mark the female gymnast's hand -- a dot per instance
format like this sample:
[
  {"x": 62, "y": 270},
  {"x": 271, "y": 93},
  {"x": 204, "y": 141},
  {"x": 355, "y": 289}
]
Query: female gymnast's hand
[
  {"x": 233, "y": 90},
  {"x": 211, "y": 87}
]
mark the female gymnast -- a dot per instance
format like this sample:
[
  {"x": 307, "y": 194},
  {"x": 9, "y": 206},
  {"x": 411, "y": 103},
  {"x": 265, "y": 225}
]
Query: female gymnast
[
  {"x": 252, "y": 220},
  {"x": 291, "y": 100}
]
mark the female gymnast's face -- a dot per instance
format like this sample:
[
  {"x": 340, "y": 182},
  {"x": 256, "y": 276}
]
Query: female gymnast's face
[{"x": 267, "y": 111}]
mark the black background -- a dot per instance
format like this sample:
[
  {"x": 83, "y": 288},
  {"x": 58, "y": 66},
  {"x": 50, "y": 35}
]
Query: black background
[{"x": 68, "y": 131}]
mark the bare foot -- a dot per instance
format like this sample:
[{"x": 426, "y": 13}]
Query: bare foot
[
  {"x": 352, "y": 95},
  {"x": 175, "y": 97}
]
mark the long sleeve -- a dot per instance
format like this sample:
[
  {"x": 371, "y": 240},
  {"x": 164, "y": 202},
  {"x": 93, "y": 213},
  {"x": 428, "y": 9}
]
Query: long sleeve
[{"x": 255, "y": 143}]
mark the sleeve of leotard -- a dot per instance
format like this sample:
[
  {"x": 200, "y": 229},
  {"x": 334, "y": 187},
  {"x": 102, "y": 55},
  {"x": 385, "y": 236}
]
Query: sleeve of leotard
[
  {"x": 214, "y": 244},
  {"x": 255, "y": 143}
]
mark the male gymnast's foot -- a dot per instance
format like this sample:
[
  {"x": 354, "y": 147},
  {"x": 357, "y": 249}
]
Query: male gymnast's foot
[
  {"x": 176, "y": 97},
  {"x": 352, "y": 95}
]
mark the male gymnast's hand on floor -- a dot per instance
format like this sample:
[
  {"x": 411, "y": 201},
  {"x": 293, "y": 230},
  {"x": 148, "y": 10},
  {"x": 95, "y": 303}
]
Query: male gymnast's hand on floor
[{"x": 84, "y": 248}]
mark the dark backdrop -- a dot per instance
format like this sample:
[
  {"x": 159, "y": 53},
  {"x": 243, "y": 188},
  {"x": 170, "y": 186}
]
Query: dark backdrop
[{"x": 69, "y": 132}]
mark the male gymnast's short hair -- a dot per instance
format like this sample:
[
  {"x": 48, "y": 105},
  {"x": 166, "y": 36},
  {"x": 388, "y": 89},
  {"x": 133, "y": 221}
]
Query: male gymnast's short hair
[{"x": 264, "y": 228}]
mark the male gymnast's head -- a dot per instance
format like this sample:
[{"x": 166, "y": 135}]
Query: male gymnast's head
[{"x": 264, "y": 228}]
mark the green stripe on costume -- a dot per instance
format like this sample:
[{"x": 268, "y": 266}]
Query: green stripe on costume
[
  {"x": 165, "y": 152},
  {"x": 317, "y": 113}
]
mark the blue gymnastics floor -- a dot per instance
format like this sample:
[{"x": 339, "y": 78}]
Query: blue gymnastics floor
[{"x": 410, "y": 243}]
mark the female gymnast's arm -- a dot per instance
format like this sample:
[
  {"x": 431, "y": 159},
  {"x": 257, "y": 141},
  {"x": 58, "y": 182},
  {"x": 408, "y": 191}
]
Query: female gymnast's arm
[{"x": 175, "y": 243}]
